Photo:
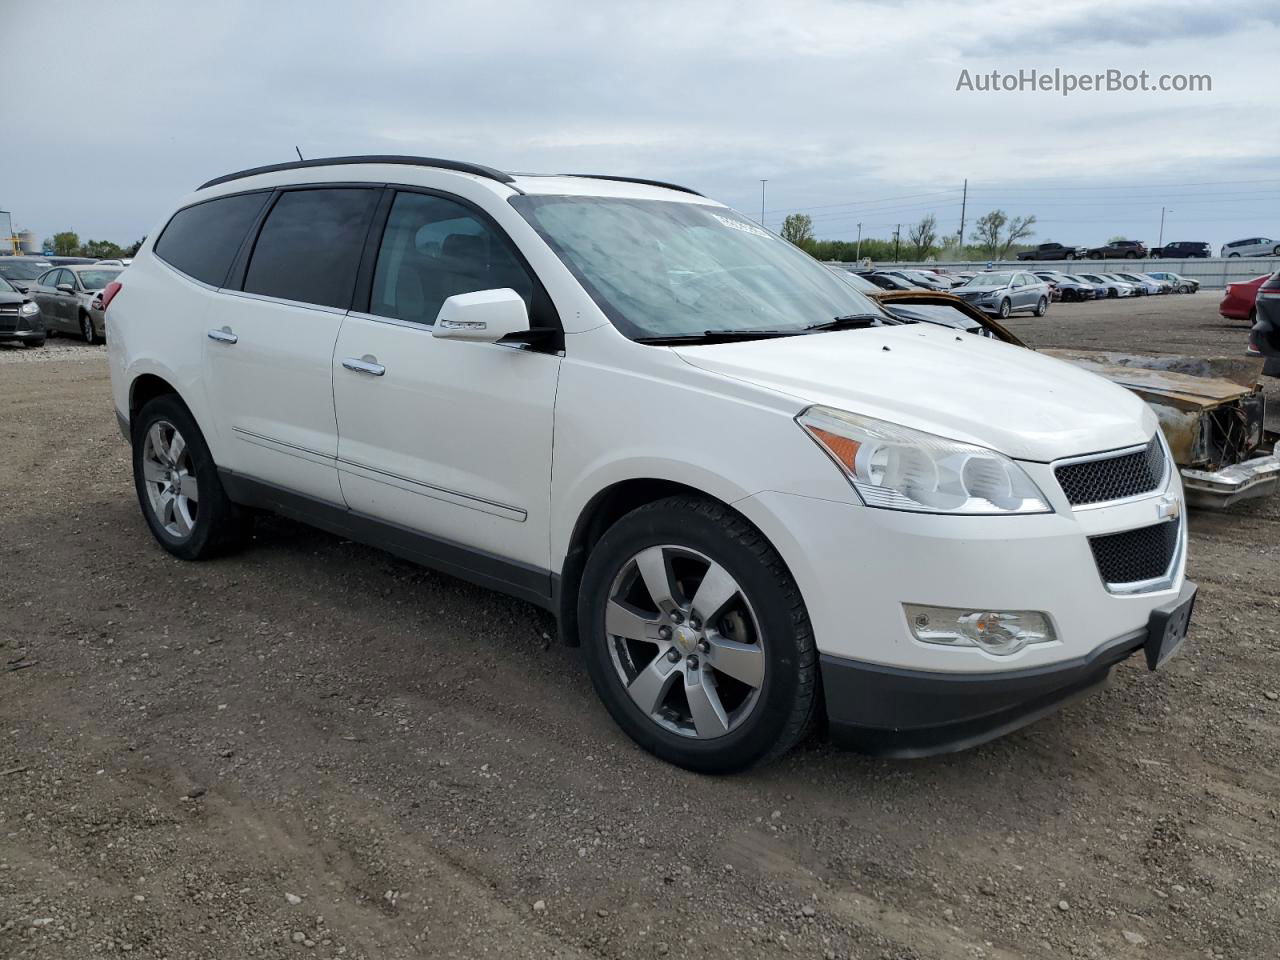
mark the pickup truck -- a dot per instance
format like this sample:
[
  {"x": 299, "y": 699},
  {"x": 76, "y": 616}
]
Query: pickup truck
[
  {"x": 1050, "y": 251},
  {"x": 1119, "y": 249}
]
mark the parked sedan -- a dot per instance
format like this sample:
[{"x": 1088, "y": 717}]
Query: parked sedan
[
  {"x": 1005, "y": 292},
  {"x": 886, "y": 282},
  {"x": 19, "y": 317},
  {"x": 64, "y": 295},
  {"x": 22, "y": 271},
  {"x": 1252, "y": 247},
  {"x": 1148, "y": 285},
  {"x": 917, "y": 278},
  {"x": 1179, "y": 283},
  {"x": 1069, "y": 288},
  {"x": 1239, "y": 299},
  {"x": 1115, "y": 288}
]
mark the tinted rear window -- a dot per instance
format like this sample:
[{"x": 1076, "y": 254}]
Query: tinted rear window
[
  {"x": 202, "y": 240},
  {"x": 310, "y": 245}
]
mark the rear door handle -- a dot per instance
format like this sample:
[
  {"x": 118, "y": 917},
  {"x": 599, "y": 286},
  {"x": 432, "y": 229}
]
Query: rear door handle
[
  {"x": 365, "y": 364},
  {"x": 223, "y": 336}
]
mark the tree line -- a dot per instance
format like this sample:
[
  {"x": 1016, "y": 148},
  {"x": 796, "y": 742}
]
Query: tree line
[
  {"x": 67, "y": 244},
  {"x": 995, "y": 236}
]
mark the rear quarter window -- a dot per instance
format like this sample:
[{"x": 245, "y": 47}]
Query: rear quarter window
[{"x": 202, "y": 240}]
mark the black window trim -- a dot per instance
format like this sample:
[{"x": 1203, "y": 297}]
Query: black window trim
[{"x": 543, "y": 313}]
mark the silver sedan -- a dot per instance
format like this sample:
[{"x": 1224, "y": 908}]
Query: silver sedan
[{"x": 65, "y": 295}]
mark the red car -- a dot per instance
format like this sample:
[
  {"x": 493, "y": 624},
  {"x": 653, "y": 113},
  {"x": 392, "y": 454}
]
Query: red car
[{"x": 1239, "y": 299}]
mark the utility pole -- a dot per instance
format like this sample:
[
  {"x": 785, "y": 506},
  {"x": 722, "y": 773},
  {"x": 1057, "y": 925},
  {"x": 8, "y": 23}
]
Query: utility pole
[
  {"x": 858, "y": 252},
  {"x": 762, "y": 183},
  {"x": 964, "y": 202},
  {"x": 1160, "y": 242},
  {"x": 896, "y": 232}
]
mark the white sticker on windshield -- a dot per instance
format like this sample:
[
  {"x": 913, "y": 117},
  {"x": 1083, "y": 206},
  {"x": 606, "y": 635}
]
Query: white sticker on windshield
[{"x": 745, "y": 227}]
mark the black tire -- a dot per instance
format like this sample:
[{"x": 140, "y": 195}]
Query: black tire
[
  {"x": 86, "y": 329},
  {"x": 1253, "y": 316},
  {"x": 219, "y": 524},
  {"x": 1112, "y": 293},
  {"x": 34, "y": 342},
  {"x": 1070, "y": 256},
  {"x": 788, "y": 696},
  {"x": 1230, "y": 255},
  {"x": 1005, "y": 308},
  {"x": 1131, "y": 255},
  {"x": 1042, "y": 307},
  {"x": 1275, "y": 252}
]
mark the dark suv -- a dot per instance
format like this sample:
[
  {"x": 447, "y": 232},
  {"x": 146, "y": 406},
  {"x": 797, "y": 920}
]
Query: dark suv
[
  {"x": 20, "y": 318},
  {"x": 1118, "y": 250},
  {"x": 1183, "y": 250}
]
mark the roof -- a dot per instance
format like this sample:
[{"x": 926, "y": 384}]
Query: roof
[{"x": 572, "y": 183}]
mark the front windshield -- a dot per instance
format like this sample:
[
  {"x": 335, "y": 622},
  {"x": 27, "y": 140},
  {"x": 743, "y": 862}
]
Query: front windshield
[
  {"x": 96, "y": 279},
  {"x": 663, "y": 269},
  {"x": 22, "y": 270},
  {"x": 5, "y": 286},
  {"x": 990, "y": 280}
]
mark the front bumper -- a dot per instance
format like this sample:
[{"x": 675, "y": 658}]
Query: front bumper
[
  {"x": 35, "y": 332},
  {"x": 889, "y": 711},
  {"x": 1219, "y": 489}
]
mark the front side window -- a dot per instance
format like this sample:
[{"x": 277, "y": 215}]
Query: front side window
[
  {"x": 434, "y": 248},
  {"x": 309, "y": 247},
  {"x": 202, "y": 240},
  {"x": 660, "y": 268}
]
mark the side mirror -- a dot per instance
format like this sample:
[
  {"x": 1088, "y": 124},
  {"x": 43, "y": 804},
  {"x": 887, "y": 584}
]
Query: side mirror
[
  {"x": 20, "y": 288},
  {"x": 485, "y": 316},
  {"x": 65, "y": 288}
]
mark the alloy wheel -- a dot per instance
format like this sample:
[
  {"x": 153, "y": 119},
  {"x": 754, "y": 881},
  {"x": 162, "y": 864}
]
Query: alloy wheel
[
  {"x": 86, "y": 328},
  {"x": 170, "y": 481},
  {"x": 685, "y": 642}
]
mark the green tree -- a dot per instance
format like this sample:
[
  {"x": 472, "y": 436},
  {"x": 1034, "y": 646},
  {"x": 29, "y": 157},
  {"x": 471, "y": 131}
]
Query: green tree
[
  {"x": 66, "y": 244},
  {"x": 923, "y": 236},
  {"x": 133, "y": 248},
  {"x": 101, "y": 250},
  {"x": 798, "y": 228},
  {"x": 986, "y": 232}
]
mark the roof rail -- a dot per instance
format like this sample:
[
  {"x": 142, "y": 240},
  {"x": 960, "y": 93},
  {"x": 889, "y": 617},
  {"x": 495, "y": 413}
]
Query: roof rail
[
  {"x": 651, "y": 183},
  {"x": 458, "y": 165}
]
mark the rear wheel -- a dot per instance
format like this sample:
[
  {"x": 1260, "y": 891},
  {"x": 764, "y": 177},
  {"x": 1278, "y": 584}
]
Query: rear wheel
[
  {"x": 178, "y": 486},
  {"x": 1230, "y": 255},
  {"x": 1005, "y": 309},
  {"x": 1131, "y": 255},
  {"x": 1275, "y": 252},
  {"x": 696, "y": 637},
  {"x": 1253, "y": 316}
]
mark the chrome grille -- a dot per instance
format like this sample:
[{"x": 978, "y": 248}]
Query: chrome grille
[
  {"x": 1136, "y": 555},
  {"x": 1113, "y": 478}
]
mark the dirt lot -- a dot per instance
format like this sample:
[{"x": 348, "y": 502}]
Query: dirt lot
[{"x": 312, "y": 748}]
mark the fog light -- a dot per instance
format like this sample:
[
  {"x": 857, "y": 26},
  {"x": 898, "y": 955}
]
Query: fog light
[{"x": 999, "y": 632}]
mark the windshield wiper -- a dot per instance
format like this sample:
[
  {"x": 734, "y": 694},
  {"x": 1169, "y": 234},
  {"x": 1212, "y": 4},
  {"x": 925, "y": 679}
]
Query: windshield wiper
[
  {"x": 852, "y": 321},
  {"x": 711, "y": 336}
]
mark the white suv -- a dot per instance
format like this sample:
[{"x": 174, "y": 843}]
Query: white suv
[{"x": 753, "y": 498}]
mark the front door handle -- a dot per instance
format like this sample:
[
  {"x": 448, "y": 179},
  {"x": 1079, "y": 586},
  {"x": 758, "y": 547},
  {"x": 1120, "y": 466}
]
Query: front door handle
[
  {"x": 223, "y": 336},
  {"x": 365, "y": 364}
]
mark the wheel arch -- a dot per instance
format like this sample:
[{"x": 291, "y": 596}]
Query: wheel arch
[{"x": 601, "y": 512}]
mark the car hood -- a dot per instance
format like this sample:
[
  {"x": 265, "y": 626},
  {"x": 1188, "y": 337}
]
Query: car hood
[
  {"x": 7, "y": 297},
  {"x": 973, "y": 389}
]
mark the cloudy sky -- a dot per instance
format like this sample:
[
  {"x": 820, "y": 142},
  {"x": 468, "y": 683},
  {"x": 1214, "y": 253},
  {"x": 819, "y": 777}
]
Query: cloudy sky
[{"x": 849, "y": 109}]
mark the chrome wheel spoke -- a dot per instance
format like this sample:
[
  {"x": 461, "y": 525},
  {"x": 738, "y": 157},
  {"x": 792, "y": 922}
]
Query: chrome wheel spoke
[
  {"x": 709, "y": 717},
  {"x": 153, "y": 470},
  {"x": 177, "y": 446},
  {"x": 187, "y": 487},
  {"x": 650, "y": 686},
  {"x": 742, "y": 661},
  {"x": 716, "y": 592},
  {"x": 180, "y": 518},
  {"x": 656, "y": 573},
  {"x": 156, "y": 441},
  {"x": 621, "y": 620}
]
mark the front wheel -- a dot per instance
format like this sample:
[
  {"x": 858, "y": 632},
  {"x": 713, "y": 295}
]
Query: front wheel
[
  {"x": 177, "y": 483},
  {"x": 1131, "y": 255},
  {"x": 1070, "y": 256},
  {"x": 1276, "y": 251},
  {"x": 696, "y": 637},
  {"x": 1230, "y": 255},
  {"x": 1005, "y": 309},
  {"x": 1042, "y": 307}
]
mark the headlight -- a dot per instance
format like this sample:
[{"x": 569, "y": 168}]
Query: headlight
[
  {"x": 898, "y": 468},
  {"x": 28, "y": 309}
]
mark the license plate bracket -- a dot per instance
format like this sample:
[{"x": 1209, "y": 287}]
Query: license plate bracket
[{"x": 1168, "y": 625}]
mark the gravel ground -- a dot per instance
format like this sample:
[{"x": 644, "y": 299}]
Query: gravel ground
[{"x": 312, "y": 748}]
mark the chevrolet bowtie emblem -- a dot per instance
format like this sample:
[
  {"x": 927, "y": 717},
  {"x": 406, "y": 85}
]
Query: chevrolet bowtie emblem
[{"x": 1168, "y": 507}]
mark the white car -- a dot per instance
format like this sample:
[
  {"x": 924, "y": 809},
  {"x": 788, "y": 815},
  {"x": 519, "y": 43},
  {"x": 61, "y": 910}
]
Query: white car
[
  {"x": 1147, "y": 286},
  {"x": 1252, "y": 247},
  {"x": 1114, "y": 286},
  {"x": 744, "y": 489}
]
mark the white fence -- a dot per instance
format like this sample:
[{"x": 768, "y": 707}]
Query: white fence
[{"x": 1214, "y": 273}]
